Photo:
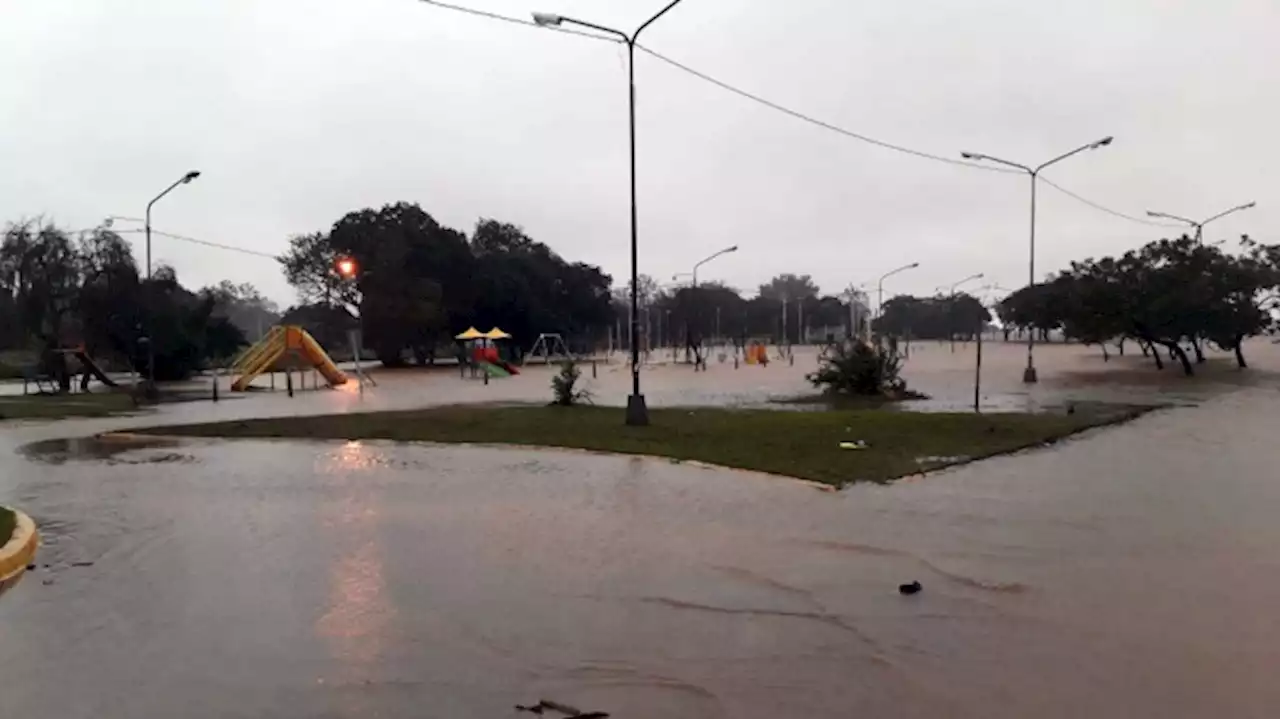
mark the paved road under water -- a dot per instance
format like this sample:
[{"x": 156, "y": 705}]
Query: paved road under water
[{"x": 1131, "y": 572}]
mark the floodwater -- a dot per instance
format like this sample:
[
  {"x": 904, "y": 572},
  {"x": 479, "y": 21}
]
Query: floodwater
[{"x": 1130, "y": 572}]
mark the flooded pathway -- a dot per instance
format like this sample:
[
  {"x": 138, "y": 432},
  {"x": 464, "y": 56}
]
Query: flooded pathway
[{"x": 1132, "y": 572}]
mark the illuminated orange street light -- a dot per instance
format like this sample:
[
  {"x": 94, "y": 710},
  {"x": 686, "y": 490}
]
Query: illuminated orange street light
[{"x": 347, "y": 267}]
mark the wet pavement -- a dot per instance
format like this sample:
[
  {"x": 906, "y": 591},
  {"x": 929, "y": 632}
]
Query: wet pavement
[{"x": 1130, "y": 572}]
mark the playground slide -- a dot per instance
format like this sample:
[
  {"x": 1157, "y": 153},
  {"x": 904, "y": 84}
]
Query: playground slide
[
  {"x": 510, "y": 368},
  {"x": 92, "y": 368},
  {"x": 316, "y": 355},
  {"x": 276, "y": 344},
  {"x": 494, "y": 370}
]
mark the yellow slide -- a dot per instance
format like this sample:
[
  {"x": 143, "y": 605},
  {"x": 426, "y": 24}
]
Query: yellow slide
[{"x": 279, "y": 342}]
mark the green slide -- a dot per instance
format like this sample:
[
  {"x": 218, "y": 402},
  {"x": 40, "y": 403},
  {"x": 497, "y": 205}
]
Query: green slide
[{"x": 494, "y": 370}]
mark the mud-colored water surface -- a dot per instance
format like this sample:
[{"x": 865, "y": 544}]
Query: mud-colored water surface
[{"x": 1129, "y": 572}]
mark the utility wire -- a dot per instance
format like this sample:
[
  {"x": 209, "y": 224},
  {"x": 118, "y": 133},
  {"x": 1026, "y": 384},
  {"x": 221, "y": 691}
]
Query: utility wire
[
  {"x": 206, "y": 243},
  {"x": 795, "y": 113},
  {"x": 1107, "y": 210},
  {"x": 820, "y": 123},
  {"x": 520, "y": 21}
]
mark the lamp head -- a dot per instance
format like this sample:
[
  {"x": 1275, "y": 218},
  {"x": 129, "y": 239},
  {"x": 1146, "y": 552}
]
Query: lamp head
[
  {"x": 190, "y": 176},
  {"x": 1102, "y": 143},
  {"x": 546, "y": 19},
  {"x": 732, "y": 249},
  {"x": 346, "y": 267},
  {"x": 971, "y": 156}
]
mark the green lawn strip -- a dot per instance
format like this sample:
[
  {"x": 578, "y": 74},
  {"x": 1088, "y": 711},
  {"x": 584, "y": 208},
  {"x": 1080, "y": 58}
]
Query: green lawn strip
[
  {"x": 34, "y": 406},
  {"x": 798, "y": 444},
  {"x": 7, "y": 522}
]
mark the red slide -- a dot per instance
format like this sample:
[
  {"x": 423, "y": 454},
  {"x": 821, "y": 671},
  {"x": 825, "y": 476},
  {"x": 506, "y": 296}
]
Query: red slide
[{"x": 507, "y": 366}]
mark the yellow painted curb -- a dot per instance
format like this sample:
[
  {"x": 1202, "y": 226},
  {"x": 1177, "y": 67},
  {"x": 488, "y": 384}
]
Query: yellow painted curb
[{"x": 19, "y": 551}]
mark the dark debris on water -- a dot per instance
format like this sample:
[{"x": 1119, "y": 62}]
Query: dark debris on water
[{"x": 544, "y": 704}]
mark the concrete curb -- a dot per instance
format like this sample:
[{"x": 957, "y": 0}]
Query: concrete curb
[{"x": 19, "y": 551}]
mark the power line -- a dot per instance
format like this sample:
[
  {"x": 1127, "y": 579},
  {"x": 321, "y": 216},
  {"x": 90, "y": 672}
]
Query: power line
[
  {"x": 519, "y": 21},
  {"x": 820, "y": 123},
  {"x": 1107, "y": 210},
  {"x": 795, "y": 113},
  {"x": 206, "y": 243}
]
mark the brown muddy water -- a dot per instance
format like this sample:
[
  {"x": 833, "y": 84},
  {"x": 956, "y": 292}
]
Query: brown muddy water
[{"x": 1133, "y": 571}]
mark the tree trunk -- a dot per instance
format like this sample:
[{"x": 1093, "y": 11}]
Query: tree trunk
[
  {"x": 1240, "y": 353},
  {"x": 1155, "y": 351},
  {"x": 1120, "y": 346},
  {"x": 1105, "y": 357},
  {"x": 1176, "y": 352},
  {"x": 1195, "y": 345},
  {"x": 1146, "y": 349}
]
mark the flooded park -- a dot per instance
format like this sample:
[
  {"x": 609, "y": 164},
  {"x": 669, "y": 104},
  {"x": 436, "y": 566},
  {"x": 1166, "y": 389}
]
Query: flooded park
[{"x": 1130, "y": 571}]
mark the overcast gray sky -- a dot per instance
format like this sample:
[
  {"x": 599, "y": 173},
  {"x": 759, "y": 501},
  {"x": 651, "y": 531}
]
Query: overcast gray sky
[{"x": 298, "y": 111}]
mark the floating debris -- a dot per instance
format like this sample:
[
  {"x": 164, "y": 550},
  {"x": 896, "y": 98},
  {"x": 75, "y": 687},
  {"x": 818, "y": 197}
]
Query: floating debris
[{"x": 564, "y": 709}]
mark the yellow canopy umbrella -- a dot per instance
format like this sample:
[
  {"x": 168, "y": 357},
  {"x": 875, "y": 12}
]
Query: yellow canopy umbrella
[
  {"x": 471, "y": 334},
  {"x": 496, "y": 334}
]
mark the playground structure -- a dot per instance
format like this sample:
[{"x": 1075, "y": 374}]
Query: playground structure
[
  {"x": 289, "y": 345},
  {"x": 484, "y": 355},
  {"x": 46, "y": 384},
  {"x": 551, "y": 344},
  {"x": 756, "y": 353}
]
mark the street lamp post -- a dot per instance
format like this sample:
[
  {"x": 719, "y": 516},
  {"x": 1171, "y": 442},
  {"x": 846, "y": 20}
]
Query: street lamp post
[
  {"x": 637, "y": 412},
  {"x": 952, "y": 309},
  {"x": 1029, "y": 374},
  {"x": 880, "y": 297},
  {"x": 1200, "y": 225},
  {"x": 688, "y": 331},
  {"x": 880, "y": 285},
  {"x": 349, "y": 269},
  {"x": 854, "y": 294},
  {"x": 151, "y": 343}
]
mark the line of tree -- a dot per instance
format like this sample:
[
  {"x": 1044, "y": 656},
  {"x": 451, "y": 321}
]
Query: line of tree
[
  {"x": 60, "y": 293},
  {"x": 417, "y": 283},
  {"x": 692, "y": 315},
  {"x": 1167, "y": 294},
  {"x": 939, "y": 317}
]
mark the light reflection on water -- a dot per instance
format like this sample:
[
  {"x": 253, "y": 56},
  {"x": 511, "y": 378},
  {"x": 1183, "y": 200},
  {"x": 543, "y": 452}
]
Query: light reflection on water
[{"x": 359, "y": 613}]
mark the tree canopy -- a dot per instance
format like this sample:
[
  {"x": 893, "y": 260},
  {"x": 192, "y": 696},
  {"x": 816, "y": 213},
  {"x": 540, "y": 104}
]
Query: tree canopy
[
  {"x": 417, "y": 282},
  {"x": 1167, "y": 293},
  {"x": 62, "y": 293},
  {"x": 938, "y": 317}
]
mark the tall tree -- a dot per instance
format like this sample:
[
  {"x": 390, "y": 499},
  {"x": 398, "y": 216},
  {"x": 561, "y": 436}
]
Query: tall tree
[
  {"x": 413, "y": 274},
  {"x": 309, "y": 267},
  {"x": 244, "y": 306},
  {"x": 789, "y": 287}
]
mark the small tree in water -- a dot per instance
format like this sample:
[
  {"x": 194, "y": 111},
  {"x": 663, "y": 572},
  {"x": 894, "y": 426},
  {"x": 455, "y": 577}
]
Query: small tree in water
[
  {"x": 564, "y": 386},
  {"x": 860, "y": 368}
]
